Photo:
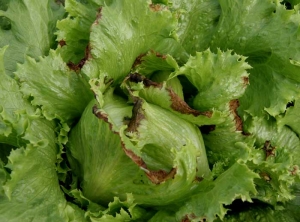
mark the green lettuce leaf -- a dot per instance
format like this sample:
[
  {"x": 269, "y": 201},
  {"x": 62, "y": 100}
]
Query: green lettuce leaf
[
  {"x": 269, "y": 50},
  {"x": 32, "y": 192},
  {"x": 198, "y": 21},
  {"x": 219, "y": 78},
  {"x": 74, "y": 31},
  {"x": 276, "y": 159},
  {"x": 29, "y": 182},
  {"x": 28, "y": 27},
  {"x": 291, "y": 118},
  {"x": 208, "y": 203},
  {"x": 164, "y": 95},
  {"x": 13, "y": 108},
  {"x": 91, "y": 158},
  {"x": 61, "y": 92},
  {"x": 124, "y": 31}
]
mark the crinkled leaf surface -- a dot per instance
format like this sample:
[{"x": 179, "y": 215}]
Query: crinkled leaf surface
[
  {"x": 124, "y": 31},
  {"x": 61, "y": 92},
  {"x": 74, "y": 31},
  {"x": 165, "y": 95},
  {"x": 28, "y": 27},
  {"x": 197, "y": 23},
  {"x": 13, "y": 108},
  {"x": 31, "y": 191},
  {"x": 208, "y": 203},
  {"x": 219, "y": 78},
  {"x": 269, "y": 50},
  {"x": 291, "y": 118},
  {"x": 236, "y": 182}
]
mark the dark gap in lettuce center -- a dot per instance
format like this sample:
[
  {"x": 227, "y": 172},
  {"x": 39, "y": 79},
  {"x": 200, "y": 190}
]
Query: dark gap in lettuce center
[
  {"x": 5, "y": 150},
  {"x": 287, "y": 4},
  {"x": 5, "y": 23},
  {"x": 238, "y": 206},
  {"x": 189, "y": 90}
]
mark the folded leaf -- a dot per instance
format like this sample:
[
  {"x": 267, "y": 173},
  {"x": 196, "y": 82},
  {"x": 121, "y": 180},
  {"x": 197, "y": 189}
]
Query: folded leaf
[
  {"x": 123, "y": 32},
  {"x": 28, "y": 27},
  {"x": 61, "y": 92}
]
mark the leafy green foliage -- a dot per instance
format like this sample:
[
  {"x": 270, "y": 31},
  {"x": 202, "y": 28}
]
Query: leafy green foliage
[{"x": 149, "y": 110}]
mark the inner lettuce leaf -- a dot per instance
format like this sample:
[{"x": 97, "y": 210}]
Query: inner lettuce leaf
[
  {"x": 168, "y": 180},
  {"x": 28, "y": 27}
]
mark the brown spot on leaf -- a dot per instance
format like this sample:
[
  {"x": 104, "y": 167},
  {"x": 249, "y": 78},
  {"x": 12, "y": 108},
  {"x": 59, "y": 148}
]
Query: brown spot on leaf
[
  {"x": 185, "y": 219},
  {"x": 198, "y": 179},
  {"x": 189, "y": 217},
  {"x": 155, "y": 7},
  {"x": 135, "y": 158},
  {"x": 160, "y": 176},
  {"x": 181, "y": 106},
  {"x": 265, "y": 176},
  {"x": 103, "y": 116},
  {"x": 160, "y": 55},
  {"x": 233, "y": 105},
  {"x": 155, "y": 177},
  {"x": 269, "y": 149},
  {"x": 60, "y": 2},
  {"x": 62, "y": 43},
  {"x": 100, "y": 115},
  {"x": 98, "y": 16},
  {"x": 246, "y": 80},
  {"x": 137, "y": 115},
  {"x": 135, "y": 77},
  {"x": 87, "y": 55},
  {"x": 138, "y": 60},
  {"x": 177, "y": 103},
  {"x": 294, "y": 170}
]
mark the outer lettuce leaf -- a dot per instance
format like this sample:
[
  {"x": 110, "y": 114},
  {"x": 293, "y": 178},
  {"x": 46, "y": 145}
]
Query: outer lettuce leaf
[
  {"x": 197, "y": 23},
  {"x": 276, "y": 159},
  {"x": 29, "y": 30},
  {"x": 219, "y": 78},
  {"x": 123, "y": 211},
  {"x": 61, "y": 93},
  {"x": 124, "y": 31},
  {"x": 13, "y": 120},
  {"x": 208, "y": 203},
  {"x": 291, "y": 118},
  {"x": 268, "y": 47},
  {"x": 31, "y": 191},
  {"x": 74, "y": 31},
  {"x": 288, "y": 212}
]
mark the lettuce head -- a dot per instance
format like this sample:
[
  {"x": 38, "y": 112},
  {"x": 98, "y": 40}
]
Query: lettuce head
[{"x": 162, "y": 110}]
